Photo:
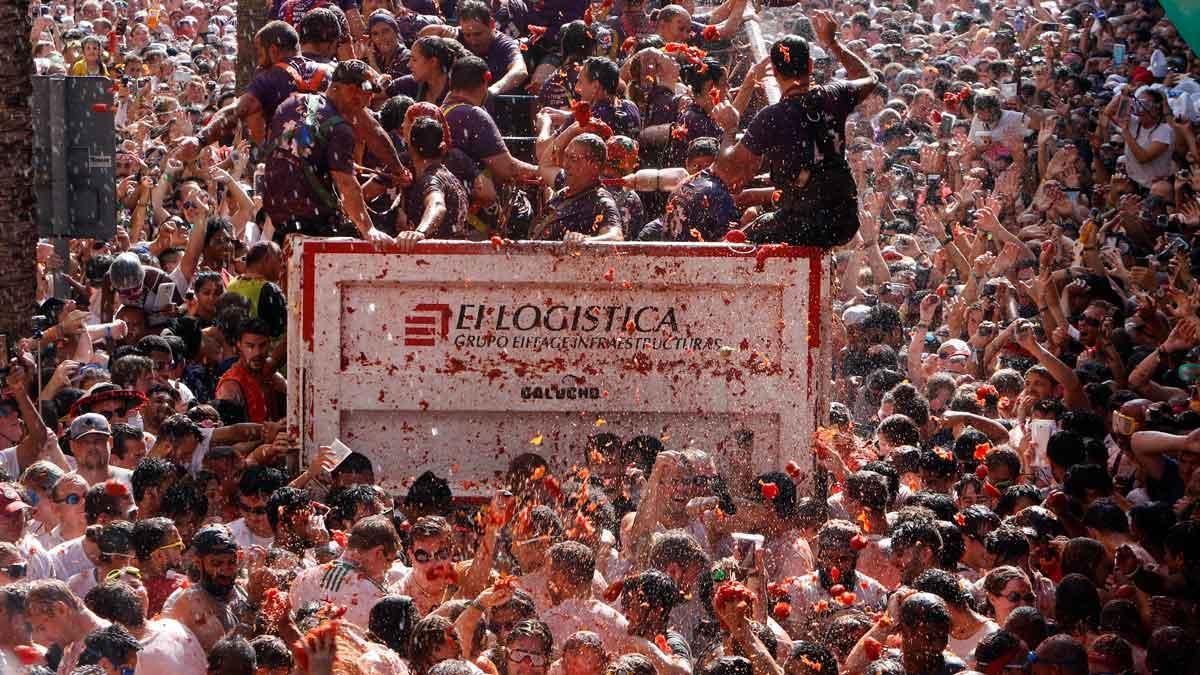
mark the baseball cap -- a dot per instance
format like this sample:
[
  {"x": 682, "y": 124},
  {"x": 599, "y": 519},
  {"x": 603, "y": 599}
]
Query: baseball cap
[
  {"x": 952, "y": 348},
  {"x": 88, "y": 423},
  {"x": 855, "y": 315},
  {"x": 11, "y": 500}
]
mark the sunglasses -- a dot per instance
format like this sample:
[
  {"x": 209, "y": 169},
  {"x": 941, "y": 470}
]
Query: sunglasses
[
  {"x": 15, "y": 570},
  {"x": 178, "y": 545},
  {"x": 1015, "y": 597},
  {"x": 70, "y": 500},
  {"x": 122, "y": 571},
  {"x": 257, "y": 510},
  {"x": 108, "y": 414},
  {"x": 522, "y": 656},
  {"x": 424, "y": 556}
]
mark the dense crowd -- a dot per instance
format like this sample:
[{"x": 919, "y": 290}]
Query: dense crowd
[{"x": 1007, "y": 479}]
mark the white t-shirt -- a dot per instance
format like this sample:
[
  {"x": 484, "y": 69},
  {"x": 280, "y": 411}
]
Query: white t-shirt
[
  {"x": 83, "y": 582},
  {"x": 340, "y": 583},
  {"x": 1011, "y": 121},
  {"x": 69, "y": 559},
  {"x": 245, "y": 538},
  {"x": 575, "y": 614},
  {"x": 170, "y": 648},
  {"x": 8, "y": 462},
  {"x": 1144, "y": 174},
  {"x": 965, "y": 648},
  {"x": 201, "y": 450},
  {"x": 41, "y": 565}
]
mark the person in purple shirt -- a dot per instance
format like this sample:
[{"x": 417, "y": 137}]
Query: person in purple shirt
[
  {"x": 348, "y": 7},
  {"x": 706, "y": 81},
  {"x": 323, "y": 35},
  {"x": 579, "y": 209},
  {"x": 577, "y": 43},
  {"x": 282, "y": 71},
  {"x": 436, "y": 203},
  {"x": 548, "y": 14},
  {"x": 802, "y": 139},
  {"x": 430, "y": 61},
  {"x": 597, "y": 85},
  {"x": 310, "y": 184},
  {"x": 477, "y": 32},
  {"x": 473, "y": 131}
]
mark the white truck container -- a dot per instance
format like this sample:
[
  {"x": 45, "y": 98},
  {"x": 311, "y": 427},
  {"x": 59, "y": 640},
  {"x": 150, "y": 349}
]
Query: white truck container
[{"x": 461, "y": 356}]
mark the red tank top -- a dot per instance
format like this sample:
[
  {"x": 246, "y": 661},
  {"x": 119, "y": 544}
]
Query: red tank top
[{"x": 252, "y": 391}]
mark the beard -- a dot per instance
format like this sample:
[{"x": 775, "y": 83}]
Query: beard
[{"x": 217, "y": 586}]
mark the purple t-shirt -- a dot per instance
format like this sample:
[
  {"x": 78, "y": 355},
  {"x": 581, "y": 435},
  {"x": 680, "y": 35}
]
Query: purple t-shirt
[
  {"x": 289, "y": 192},
  {"x": 620, "y": 114},
  {"x": 697, "y": 123},
  {"x": 550, "y": 14},
  {"x": 397, "y": 66},
  {"x": 439, "y": 179},
  {"x": 277, "y": 6},
  {"x": 473, "y": 131},
  {"x": 272, "y": 85},
  {"x": 702, "y": 203},
  {"x": 589, "y": 212},
  {"x": 786, "y": 134},
  {"x": 503, "y": 53}
]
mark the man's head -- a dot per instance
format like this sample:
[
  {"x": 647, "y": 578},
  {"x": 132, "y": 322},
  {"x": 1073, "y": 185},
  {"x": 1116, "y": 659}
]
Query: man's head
[
  {"x": 53, "y": 612},
  {"x": 218, "y": 559},
  {"x": 598, "y": 79},
  {"x": 352, "y": 86},
  {"x": 679, "y": 555},
  {"x": 673, "y": 23},
  {"x": 127, "y": 275},
  {"x": 584, "y": 160},
  {"x": 1060, "y": 655},
  {"x": 916, "y": 546},
  {"x": 255, "y": 487},
  {"x": 232, "y": 655},
  {"x": 476, "y": 27},
  {"x": 373, "y": 543},
  {"x": 836, "y": 550},
  {"x": 182, "y": 434},
  {"x": 90, "y": 439},
  {"x": 254, "y": 343},
  {"x": 431, "y": 550},
  {"x": 157, "y": 546},
  {"x": 470, "y": 77},
  {"x": 14, "y": 625},
  {"x": 296, "y": 518},
  {"x": 164, "y": 402},
  {"x": 119, "y": 602},
  {"x": 112, "y": 648},
  {"x": 14, "y": 512},
  {"x": 647, "y": 600},
  {"x": 265, "y": 258},
  {"x": 790, "y": 58},
  {"x": 320, "y": 32},
  {"x": 129, "y": 444},
  {"x": 924, "y": 624},
  {"x": 151, "y": 478},
  {"x": 571, "y": 568},
  {"x": 275, "y": 42}
]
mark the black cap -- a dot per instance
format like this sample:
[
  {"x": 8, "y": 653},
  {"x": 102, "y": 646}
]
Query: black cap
[{"x": 214, "y": 540}]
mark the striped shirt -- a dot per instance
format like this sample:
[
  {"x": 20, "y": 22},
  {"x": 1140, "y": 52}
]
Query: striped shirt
[{"x": 342, "y": 584}]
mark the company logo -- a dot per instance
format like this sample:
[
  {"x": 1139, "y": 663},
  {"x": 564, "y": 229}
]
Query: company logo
[
  {"x": 426, "y": 322},
  {"x": 572, "y": 388}
]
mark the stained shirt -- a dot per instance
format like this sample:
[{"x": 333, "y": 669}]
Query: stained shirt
[
  {"x": 272, "y": 86},
  {"x": 289, "y": 192},
  {"x": 589, "y": 212}
]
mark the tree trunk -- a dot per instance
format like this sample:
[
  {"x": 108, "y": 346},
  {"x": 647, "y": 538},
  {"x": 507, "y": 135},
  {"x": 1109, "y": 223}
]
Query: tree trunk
[
  {"x": 18, "y": 228},
  {"x": 251, "y": 16}
]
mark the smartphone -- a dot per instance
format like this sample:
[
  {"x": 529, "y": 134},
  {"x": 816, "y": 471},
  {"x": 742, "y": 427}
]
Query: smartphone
[
  {"x": 165, "y": 294},
  {"x": 1118, "y": 54},
  {"x": 745, "y": 546}
]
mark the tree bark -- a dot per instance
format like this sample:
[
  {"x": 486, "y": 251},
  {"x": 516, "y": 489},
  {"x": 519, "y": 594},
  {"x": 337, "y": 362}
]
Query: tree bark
[
  {"x": 18, "y": 227},
  {"x": 251, "y": 16}
]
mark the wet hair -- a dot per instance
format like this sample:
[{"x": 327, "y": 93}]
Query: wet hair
[
  {"x": 997, "y": 645},
  {"x": 179, "y": 426},
  {"x": 913, "y": 532},
  {"x": 1081, "y": 478},
  {"x": 1122, "y": 616},
  {"x": 977, "y": 520},
  {"x": 319, "y": 25},
  {"x": 374, "y": 531},
  {"x": 1106, "y": 516},
  {"x": 271, "y": 652},
  {"x": 116, "y": 601},
  {"x": 429, "y": 527},
  {"x": 631, "y": 664},
  {"x": 148, "y": 536},
  {"x": 112, "y": 642},
  {"x": 942, "y": 505},
  {"x": 965, "y": 444},
  {"x": 1006, "y": 543},
  {"x": 869, "y": 489},
  {"x": 1065, "y": 448},
  {"x": 440, "y": 49},
  {"x": 1028, "y": 624},
  {"x": 427, "y": 634},
  {"x": 1082, "y": 555},
  {"x": 729, "y": 665},
  {"x": 811, "y": 652},
  {"x": 938, "y": 463},
  {"x": 785, "y": 501},
  {"x": 577, "y": 40},
  {"x": 954, "y": 545},
  {"x": 641, "y": 451},
  {"x": 695, "y": 75},
  {"x": 604, "y": 72},
  {"x": 573, "y": 558},
  {"x": 900, "y": 430},
  {"x": 473, "y": 10},
  {"x": 343, "y": 504},
  {"x": 845, "y": 630},
  {"x": 532, "y": 628},
  {"x": 1007, "y": 504},
  {"x": 790, "y": 57},
  {"x": 1170, "y": 650},
  {"x": 279, "y": 34},
  {"x": 426, "y": 139},
  {"x": 151, "y": 472},
  {"x": 924, "y": 608},
  {"x": 704, "y": 146},
  {"x": 232, "y": 655},
  {"x": 285, "y": 501},
  {"x": 260, "y": 481},
  {"x": 469, "y": 73},
  {"x": 1077, "y": 603},
  {"x": 654, "y": 588},
  {"x": 679, "y": 547},
  {"x": 392, "y": 621},
  {"x": 885, "y": 666}
]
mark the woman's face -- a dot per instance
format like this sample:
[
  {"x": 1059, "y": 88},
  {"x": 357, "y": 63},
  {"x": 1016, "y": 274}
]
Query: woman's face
[
  {"x": 207, "y": 295},
  {"x": 1016, "y": 593},
  {"x": 91, "y": 52},
  {"x": 421, "y": 65},
  {"x": 383, "y": 37}
]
